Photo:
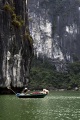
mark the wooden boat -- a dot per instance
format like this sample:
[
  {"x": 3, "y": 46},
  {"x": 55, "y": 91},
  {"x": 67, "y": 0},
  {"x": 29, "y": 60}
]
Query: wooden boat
[
  {"x": 36, "y": 94},
  {"x": 31, "y": 95}
]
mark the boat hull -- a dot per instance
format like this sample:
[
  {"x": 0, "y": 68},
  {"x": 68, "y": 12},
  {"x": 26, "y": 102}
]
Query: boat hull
[{"x": 31, "y": 95}]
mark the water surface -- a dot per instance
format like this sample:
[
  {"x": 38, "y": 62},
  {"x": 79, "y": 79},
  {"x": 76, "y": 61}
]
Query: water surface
[{"x": 55, "y": 106}]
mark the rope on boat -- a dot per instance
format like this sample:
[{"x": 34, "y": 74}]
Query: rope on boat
[{"x": 11, "y": 89}]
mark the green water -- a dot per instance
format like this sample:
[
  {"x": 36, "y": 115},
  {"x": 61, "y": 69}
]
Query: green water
[{"x": 55, "y": 106}]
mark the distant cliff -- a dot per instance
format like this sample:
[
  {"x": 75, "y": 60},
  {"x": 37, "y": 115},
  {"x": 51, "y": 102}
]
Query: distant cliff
[
  {"x": 16, "y": 45},
  {"x": 55, "y": 27}
]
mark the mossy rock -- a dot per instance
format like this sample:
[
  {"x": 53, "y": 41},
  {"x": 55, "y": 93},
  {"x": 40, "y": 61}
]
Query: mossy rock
[
  {"x": 8, "y": 8},
  {"x": 28, "y": 37},
  {"x": 16, "y": 23},
  {"x": 20, "y": 19},
  {"x": 13, "y": 16}
]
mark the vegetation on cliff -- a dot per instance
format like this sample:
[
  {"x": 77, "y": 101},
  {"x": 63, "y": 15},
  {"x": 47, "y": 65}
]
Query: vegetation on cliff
[
  {"x": 44, "y": 75},
  {"x": 15, "y": 20}
]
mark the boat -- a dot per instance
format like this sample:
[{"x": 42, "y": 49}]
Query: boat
[
  {"x": 36, "y": 94},
  {"x": 31, "y": 95},
  {"x": 27, "y": 94}
]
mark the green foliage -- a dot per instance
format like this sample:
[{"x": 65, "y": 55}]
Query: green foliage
[
  {"x": 20, "y": 19},
  {"x": 8, "y": 8},
  {"x": 28, "y": 37},
  {"x": 16, "y": 21},
  {"x": 39, "y": 62},
  {"x": 74, "y": 68},
  {"x": 46, "y": 77},
  {"x": 13, "y": 16}
]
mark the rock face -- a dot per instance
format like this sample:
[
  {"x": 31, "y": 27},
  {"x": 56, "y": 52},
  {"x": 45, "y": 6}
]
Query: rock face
[
  {"x": 55, "y": 27},
  {"x": 15, "y": 43}
]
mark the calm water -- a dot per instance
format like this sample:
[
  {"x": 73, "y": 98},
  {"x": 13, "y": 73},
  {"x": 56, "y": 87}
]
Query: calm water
[{"x": 55, "y": 106}]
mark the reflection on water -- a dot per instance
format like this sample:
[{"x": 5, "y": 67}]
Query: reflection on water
[{"x": 55, "y": 106}]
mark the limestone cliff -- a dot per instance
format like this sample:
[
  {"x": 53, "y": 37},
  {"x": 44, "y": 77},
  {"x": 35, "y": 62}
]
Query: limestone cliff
[
  {"x": 55, "y": 27},
  {"x": 15, "y": 43}
]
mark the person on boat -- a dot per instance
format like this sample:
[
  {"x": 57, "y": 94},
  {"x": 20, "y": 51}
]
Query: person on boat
[
  {"x": 24, "y": 90},
  {"x": 45, "y": 91}
]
